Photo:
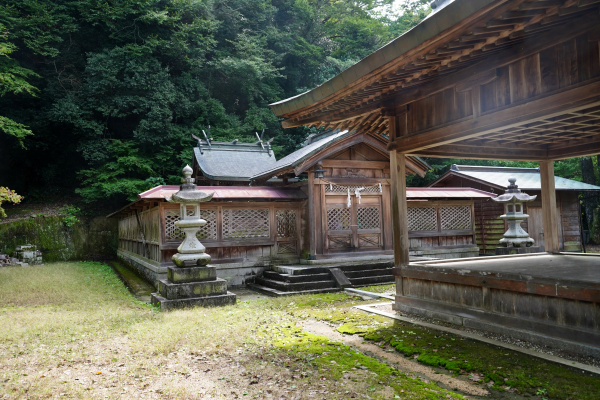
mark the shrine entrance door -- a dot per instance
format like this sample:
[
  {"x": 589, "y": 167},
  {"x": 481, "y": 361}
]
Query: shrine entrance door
[{"x": 354, "y": 228}]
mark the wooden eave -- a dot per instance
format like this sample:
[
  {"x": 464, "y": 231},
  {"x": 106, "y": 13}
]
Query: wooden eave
[{"x": 466, "y": 41}]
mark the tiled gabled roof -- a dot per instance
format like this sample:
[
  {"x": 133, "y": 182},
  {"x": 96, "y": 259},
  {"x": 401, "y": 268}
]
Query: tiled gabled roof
[{"x": 229, "y": 161}]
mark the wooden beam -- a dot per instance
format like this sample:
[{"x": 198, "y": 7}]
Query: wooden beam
[
  {"x": 543, "y": 107},
  {"x": 481, "y": 152},
  {"x": 549, "y": 211},
  {"x": 356, "y": 164},
  {"x": 587, "y": 148}
]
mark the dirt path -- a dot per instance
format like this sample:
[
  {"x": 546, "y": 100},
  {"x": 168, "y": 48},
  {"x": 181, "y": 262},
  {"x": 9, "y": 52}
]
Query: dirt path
[{"x": 396, "y": 360}]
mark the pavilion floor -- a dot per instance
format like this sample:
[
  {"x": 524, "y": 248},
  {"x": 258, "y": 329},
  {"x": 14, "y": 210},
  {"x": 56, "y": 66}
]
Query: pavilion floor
[{"x": 545, "y": 298}]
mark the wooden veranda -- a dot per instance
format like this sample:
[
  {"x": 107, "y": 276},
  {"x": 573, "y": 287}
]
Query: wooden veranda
[{"x": 487, "y": 79}]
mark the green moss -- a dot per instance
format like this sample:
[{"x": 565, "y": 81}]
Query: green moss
[
  {"x": 500, "y": 368},
  {"x": 335, "y": 361}
]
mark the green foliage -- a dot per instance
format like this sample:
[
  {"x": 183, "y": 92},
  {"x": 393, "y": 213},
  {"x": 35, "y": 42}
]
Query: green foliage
[
  {"x": 13, "y": 80},
  {"x": 8, "y": 195},
  {"x": 121, "y": 177},
  {"x": 71, "y": 212}
]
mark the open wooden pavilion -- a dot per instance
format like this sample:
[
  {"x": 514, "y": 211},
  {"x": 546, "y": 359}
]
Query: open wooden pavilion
[{"x": 485, "y": 79}]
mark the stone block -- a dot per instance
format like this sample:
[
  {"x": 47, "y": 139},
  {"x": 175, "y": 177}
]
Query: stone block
[
  {"x": 173, "y": 291},
  {"x": 191, "y": 274},
  {"x": 504, "y": 251},
  {"x": 340, "y": 278},
  {"x": 225, "y": 299}
]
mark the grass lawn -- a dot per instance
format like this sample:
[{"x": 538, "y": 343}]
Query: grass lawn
[{"x": 72, "y": 330}]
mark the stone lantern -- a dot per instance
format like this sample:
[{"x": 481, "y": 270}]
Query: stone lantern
[
  {"x": 191, "y": 282},
  {"x": 515, "y": 236},
  {"x": 190, "y": 249}
]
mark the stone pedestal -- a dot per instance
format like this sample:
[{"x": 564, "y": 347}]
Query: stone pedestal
[
  {"x": 503, "y": 251},
  {"x": 190, "y": 287}
]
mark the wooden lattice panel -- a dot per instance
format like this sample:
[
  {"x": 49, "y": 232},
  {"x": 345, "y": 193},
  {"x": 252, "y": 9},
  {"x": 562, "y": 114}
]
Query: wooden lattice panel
[
  {"x": 338, "y": 219},
  {"x": 207, "y": 231},
  {"x": 339, "y": 241},
  {"x": 246, "y": 223},
  {"x": 422, "y": 219},
  {"x": 287, "y": 248},
  {"x": 368, "y": 217},
  {"x": 369, "y": 240},
  {"x": 172, "y": 232},
  {"x": 344, "y": 189},
  {"x": 286, "y": 223},
  {"x": 456, "y": 218}
]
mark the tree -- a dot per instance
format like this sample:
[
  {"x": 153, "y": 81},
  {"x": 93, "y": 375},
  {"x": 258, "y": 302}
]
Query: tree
[
  {"x": 13, "y": 80},
  {"x": 7, "y": 195},
  {"x": 124, "y": 84}
]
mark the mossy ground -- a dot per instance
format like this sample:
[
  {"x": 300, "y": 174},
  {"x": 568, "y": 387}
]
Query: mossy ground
[
  {"x": 73, "y": 330},
  {"x": 497, "y": 368}
]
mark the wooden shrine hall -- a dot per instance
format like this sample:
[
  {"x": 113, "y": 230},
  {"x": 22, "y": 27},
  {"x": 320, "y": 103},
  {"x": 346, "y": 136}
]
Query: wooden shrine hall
[
  {"x": 490, "y": 80},
  {"x": 262, "y": 216}
]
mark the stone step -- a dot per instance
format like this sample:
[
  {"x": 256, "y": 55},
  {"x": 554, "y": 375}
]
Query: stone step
[
  {"x": 367, "y": 266},
  {"x": 296, "y": 278},
  {"x": 278, "y": 293},
  {"x": 295, "y": 287},
  {"x": 368, "y": 272},
  {"x": 373, "y": 280},
  {"x": 298, "y": 270}
]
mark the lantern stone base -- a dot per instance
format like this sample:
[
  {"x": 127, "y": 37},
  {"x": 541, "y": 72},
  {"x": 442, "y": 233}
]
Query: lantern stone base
[
  {"x": 209, "y": 301},
  {"x": 191, "y": 287},
  {"x": 504, "y": 251}
]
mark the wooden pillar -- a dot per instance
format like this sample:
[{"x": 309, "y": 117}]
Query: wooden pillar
[
  {"x": 549, "y": 211},
  {"x": 399, "y": 208},
  {"x": 312, "y": 227}
]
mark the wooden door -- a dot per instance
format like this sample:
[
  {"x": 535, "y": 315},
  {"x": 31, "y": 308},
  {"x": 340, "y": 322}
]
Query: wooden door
[
  {"x": 338, "y": 234},
  {"x": 368, "y": 223},
  {"x": 354, "y": 228}
]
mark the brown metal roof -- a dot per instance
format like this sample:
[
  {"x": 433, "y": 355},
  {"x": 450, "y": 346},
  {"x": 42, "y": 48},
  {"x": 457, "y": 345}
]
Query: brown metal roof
[{"x": 229, "y": 192}]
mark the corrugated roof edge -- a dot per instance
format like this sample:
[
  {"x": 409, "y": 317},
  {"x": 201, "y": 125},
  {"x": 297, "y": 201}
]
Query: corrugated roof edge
[
  {"x": 472, "y": 191},
  {"x": 461, "y": 170}
]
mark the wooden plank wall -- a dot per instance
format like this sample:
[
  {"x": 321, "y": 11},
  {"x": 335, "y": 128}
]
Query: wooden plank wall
[
  {"x": 489, "y": 227},
  {"x": 508, "y": 83},
  {"x": 154, "y": 246}
]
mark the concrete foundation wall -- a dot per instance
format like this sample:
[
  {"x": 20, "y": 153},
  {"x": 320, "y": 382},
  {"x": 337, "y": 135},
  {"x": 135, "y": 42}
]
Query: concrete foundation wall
[{"x": 569, "y": 323}]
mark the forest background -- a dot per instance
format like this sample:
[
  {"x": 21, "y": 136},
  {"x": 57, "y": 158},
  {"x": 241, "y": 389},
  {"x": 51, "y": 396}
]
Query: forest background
[{"x": 99, "y": 98}]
